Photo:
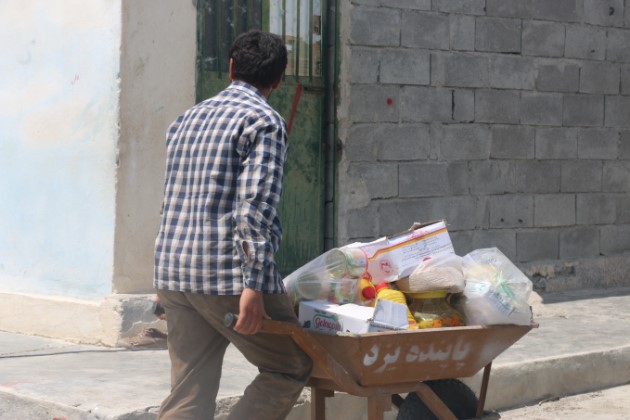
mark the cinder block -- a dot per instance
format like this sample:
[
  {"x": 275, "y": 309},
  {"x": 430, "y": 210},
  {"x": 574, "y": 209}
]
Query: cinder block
[
  {"x": 536, "y": 244},
  {"x": 362, "y": 143},
  {"x": 616, "y": 178},
  {"x": 599, "y": 78},
  {"x": 380, "y": 179},
  {"x": 623, "y": 209},
  {"x": 459, "y": 70},
  {"x": 543, "y": 39},
  {"x": 552, "y": 210},
  {"x": 625, "y": 80},
  {"x": 363, "y": 222},
  {"x": 405, "y": 66},
  {"x": 458, "y": 176},
  {"x": 596, "y": 209},
  {"x": 579, "y": 242},
  {"x": 402, "y": 142},
  {"x": 462, "y": 241},
  {"x": 617, "y": 45},
  {"x": 512, "y": 142},
  {"x": 465, "y": 142},
  {"x": 555, "y": 76},
  {"x": 533, "y": 176},
  {"x": 624, "y": 145},
  {"x": 618, "y": 111},
  {"x": 425, "y": 30},
  {"x": 463, "y": 105},
  {"x": 462, "y": 30},
  {"x": 462, "y": 212},
  {"x": 583, "y": 110},
  {"x": 560, "y": 10},
  {"x": 374, "y": 103},
  {"x": 375, "y": 27},
  {"x": 402, "y": 4},
  {"x": 422, "y": 179},
  {"x": 492, "y": 177},
  {"x": 396, "y": 216},
  {"x": 615, "y": 239},
  {"x": 426, "y": 104},
  {"x": 556, "y": 143},
  {"x": 504, "y": 239},
  {"x": 541, "y": 108},
  {"x": 511, "y": 72},
  {"x": 604, "y": 12},
  {"x": 497, "y": 106},
  {"x": 498, "y": 35},
  {"x": 364, "y": 65},
  {"x": 598, "y": 143},
  {"x": 459, "y": 212},
  {"x": 585, "y": 42},
  {"x": 511, "y": 211},
  {"x": 581, "y": 176},
  {"x": 509, "y": 8},
  {"x": 467, "y": 7}
]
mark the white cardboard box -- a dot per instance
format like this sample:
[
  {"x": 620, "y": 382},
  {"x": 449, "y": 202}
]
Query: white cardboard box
[
  {"x": 322, "y": 315},
  {"x": 394, "y": 257}
]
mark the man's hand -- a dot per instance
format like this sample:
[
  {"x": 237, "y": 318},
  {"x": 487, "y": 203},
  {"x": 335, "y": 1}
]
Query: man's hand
[{"x": 251, "y": 312}]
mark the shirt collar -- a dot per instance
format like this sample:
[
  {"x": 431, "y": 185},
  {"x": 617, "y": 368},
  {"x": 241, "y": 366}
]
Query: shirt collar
[{"x": 247, "y": 88}]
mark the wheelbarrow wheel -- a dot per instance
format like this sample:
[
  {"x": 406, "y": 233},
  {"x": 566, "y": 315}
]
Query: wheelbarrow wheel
[{"x": 460, "y": 399}]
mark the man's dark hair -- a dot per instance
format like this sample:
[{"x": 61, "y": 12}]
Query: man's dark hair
[{"x": 259, "y": 57}]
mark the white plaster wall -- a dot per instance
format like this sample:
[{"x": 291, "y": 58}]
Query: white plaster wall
[
  {"x": 58, "y": 136},
  {"x": 157, "y": 84}
]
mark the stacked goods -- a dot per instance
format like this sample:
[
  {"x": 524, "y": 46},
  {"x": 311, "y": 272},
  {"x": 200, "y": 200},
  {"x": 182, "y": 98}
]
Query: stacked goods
[{"x": 419, "y": 273}]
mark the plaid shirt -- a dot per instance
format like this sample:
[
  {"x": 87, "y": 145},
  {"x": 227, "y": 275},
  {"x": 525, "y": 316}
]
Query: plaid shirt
[{"x": 224, "y": 169}]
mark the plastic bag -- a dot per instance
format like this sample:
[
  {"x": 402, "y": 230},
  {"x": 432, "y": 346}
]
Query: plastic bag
[
  {"x": 496, "y": 290},
  {"x": 441, "y": 272},
  {"x": 333, "y": 276}
]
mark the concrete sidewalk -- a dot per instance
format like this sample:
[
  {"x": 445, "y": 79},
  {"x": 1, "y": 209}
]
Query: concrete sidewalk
[{"x": 582, "y": 344}]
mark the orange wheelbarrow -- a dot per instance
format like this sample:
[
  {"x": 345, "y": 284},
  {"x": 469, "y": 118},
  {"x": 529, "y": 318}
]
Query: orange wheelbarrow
[{"x": 420, "y": 363}]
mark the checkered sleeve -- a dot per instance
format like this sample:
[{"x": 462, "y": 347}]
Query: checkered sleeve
[{"x": 259, "y": 187}]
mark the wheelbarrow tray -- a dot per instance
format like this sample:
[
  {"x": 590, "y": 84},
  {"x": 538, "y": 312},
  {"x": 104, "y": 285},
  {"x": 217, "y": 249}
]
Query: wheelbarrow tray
[
  {"x": 388, "y": 358},
  {"x": 381, "y": 365}
]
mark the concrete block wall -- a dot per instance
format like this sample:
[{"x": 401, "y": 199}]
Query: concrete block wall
[{"x": 508, "y": 118}]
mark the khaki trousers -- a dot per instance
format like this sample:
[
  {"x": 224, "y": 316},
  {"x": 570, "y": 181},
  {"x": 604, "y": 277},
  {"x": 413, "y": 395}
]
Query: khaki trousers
[{"x": 197, "y": 340}]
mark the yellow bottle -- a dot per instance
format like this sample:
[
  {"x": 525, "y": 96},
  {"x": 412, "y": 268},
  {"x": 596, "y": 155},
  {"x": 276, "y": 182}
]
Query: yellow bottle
[{"x": 383, "y": 291}]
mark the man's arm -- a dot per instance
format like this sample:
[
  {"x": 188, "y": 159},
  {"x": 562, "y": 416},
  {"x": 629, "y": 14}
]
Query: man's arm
[{"x": 259, "y": 190}]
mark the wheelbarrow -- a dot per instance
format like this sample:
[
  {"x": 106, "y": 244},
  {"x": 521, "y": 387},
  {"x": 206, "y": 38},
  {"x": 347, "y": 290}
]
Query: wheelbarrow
[{"x": 420, "y": 363}]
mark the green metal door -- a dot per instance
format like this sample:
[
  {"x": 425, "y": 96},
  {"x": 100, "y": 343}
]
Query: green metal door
[{"x": 300, "y": 100}]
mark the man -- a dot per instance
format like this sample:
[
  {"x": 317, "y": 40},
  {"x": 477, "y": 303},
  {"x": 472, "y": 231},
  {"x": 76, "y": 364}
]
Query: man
[{"x": 215, "y": 248}]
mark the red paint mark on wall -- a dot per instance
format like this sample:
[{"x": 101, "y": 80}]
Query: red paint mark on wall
[{"x": 390, "y": 101}]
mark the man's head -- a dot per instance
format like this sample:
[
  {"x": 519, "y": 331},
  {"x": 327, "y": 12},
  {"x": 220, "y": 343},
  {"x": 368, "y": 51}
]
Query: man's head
[{"x": 258, "y": 58}]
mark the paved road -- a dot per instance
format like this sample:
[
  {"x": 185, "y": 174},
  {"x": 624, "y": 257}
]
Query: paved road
[{"x": 608, "y": 404}]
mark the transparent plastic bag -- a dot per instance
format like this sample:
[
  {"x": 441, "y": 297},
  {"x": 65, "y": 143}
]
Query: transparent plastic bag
[
  {"x": 441, "y": 272},
  {"x": 496, "y": 290},
  {"x": 332, "y": 276}
]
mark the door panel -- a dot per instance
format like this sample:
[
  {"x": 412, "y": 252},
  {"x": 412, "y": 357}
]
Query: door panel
[{"x": 300, "y": 100}]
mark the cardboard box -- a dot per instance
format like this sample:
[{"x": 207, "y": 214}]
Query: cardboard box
[
  {"x": 322, "y": 315},
  {"x": 394, "y": 257}
]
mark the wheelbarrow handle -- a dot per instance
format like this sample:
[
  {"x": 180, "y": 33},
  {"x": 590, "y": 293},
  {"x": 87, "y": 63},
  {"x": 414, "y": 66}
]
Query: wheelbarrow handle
[
  {"x": 229, "y": 320},
  {"x": 268, "y": 326}
]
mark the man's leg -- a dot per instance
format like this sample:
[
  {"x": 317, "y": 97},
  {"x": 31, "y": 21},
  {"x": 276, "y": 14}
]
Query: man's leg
[
  {"x": 196, "y": 350},
  {"x": 284, "y": 368}
]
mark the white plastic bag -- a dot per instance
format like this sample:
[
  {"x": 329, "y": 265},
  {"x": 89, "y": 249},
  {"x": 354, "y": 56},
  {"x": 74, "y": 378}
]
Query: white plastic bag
[
  {"x": 441, "y": 272},
  {"x": 496, "y": 290}
]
